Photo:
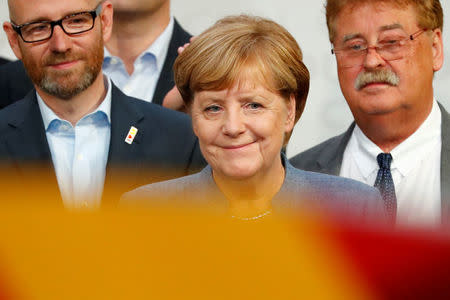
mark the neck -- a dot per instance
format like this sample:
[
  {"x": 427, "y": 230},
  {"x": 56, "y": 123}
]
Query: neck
[
  {"x": 77, "y": 107},
  {"x": 387, "y": 131},
  {"x": 251, "y": 196},
  {"x": 133, "y": 33}
]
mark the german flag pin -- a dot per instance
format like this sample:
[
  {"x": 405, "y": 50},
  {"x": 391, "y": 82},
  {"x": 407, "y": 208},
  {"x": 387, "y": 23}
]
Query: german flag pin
[{"x": 131, "y": 134}]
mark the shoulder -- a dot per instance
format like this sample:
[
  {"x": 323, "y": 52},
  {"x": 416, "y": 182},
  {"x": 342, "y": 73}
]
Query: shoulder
[
  {"x": 16, "y": 67},
  {"x": 307, "y": 159},
  {"x": 154, "y": 112},
  {"x": 330, "y": 184},
  {"x": 14, "y": 82},
  {"x": 444, "y": 113},
  {"x": 180, "y": 36},
  {"x": 168, "y": 190},
  {"x": 333, "y": 194},
  {"x": 3, "y": 60},
  {"x": 11, "y": 113}
]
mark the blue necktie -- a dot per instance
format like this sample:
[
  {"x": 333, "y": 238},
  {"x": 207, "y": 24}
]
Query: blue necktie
[{"x": 385, "y": 184}]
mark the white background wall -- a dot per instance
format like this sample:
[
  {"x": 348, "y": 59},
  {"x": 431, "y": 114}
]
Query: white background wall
[{"x": 326, "y": 113}]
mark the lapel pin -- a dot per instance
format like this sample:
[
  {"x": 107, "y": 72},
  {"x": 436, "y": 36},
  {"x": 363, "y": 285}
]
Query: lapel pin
[{"x": 131, "y": 134}]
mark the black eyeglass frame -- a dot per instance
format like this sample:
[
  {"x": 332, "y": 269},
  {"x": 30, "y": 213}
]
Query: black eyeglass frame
[{"x": 94, "y": 13}]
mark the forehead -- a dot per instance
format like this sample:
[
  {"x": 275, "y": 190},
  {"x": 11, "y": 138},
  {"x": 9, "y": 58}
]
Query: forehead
[
  {"x": 246, "y": 77},
  {"x": 369, "y": 18},
  {"x": 126, "y": 5},
  {"x": 23, "y": 11}
]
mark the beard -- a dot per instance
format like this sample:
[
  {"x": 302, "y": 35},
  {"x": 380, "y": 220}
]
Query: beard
[{"x": 65, "y": 84}]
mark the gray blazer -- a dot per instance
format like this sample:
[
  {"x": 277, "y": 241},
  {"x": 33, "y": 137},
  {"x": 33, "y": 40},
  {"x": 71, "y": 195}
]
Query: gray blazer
[
  {"x": 300, "y": 188},
  {"x": 327, "y": 158}
]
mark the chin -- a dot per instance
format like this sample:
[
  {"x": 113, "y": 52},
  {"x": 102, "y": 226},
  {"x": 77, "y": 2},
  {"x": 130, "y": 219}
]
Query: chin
[
  {"x": 241, "y": 172},
  {"x": 379, "y": 109}
]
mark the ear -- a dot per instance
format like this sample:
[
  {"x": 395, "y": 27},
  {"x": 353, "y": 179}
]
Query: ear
[
  {"x": 438, "y": 50},
  {"x": 107, "y": 19},
  {"x": 290, "y": 120},
  {"x": 13, "y": 39}
]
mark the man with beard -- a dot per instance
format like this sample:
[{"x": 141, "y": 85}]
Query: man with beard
[
  {"x": 387, "y": 53},
  {"x": 138, "y": 57},
  {"x": 76, "y": 124}
]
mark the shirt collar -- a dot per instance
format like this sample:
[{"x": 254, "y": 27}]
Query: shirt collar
[
  {"x": 48, "y": 115},
  {"x": 158, "y": 49},
  {"x": 415, "y": 147}
]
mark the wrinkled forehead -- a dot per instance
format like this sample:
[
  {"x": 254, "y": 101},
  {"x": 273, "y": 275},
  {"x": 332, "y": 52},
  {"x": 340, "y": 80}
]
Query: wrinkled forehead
[
  {"x": 24, "y": 11},
  {"x": 373, "y": 19}
]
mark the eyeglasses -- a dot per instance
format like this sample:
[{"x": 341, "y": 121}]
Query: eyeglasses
[
  {"x": 72, "y": 24},
  {"x": 389, "y": 48}
]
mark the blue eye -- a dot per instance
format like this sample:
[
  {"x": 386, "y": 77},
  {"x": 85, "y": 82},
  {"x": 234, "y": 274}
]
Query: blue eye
[
  {"x": 356, "y": 47},
  {"x": 213, "y": 108},
  {"x": 254, "y": 105},
  {"x": 390, "y": 43}
]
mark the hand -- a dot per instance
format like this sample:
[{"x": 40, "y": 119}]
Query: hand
[
  {"x": 173, "y": 99},
  {"x": 181, "y": 49}
]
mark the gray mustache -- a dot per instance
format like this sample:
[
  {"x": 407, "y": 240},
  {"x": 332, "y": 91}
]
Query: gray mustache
[{"x": 381, "y": 76}]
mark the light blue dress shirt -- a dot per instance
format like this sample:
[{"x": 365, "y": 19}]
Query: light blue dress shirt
[
  {"x": 147, "y": 67},
  {"x": 80, "y": 153}
]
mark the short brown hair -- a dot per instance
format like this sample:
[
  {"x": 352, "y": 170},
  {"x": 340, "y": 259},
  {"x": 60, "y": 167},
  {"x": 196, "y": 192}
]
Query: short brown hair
[
  {"x": 218, "y": 56},
  {"x": 429, "y": 12}
]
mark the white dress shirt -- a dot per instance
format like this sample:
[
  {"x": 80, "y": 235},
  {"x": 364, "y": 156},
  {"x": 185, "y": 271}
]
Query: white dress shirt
[
  {"x": 415, "y": 169},
  {"x": 80, "y": 153},
  {"x": 147, "y": 67}
]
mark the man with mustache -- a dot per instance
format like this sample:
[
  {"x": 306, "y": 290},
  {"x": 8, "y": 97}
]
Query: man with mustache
[
  {"x": 386, "y": 54},
  {"x": 76, "y": 124}
]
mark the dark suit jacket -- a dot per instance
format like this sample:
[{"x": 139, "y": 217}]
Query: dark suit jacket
[
  {"x": 301, "y": 189},
  {"x": 327, "y": 158},
  {"x": 164, "y": 147},
  {"x": 3, "y": 60},
  {"x": 15, "y": 84}
]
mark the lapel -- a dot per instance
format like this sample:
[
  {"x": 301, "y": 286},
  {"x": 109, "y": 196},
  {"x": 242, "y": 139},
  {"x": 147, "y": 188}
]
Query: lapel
[
  {"x": 445, "y": 165},
  {"x": 330, "y": 160},
  {"x": 123, "y": 158},
  {"x": 166, "y": 81},
  {"x": 28, "y": 147}
]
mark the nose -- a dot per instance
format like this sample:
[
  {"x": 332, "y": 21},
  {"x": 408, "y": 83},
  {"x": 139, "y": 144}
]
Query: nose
[
  {"x": 373, "y": 59},
  {"x": 60, "y": 41},
  {"x": 234, "y": 123}
]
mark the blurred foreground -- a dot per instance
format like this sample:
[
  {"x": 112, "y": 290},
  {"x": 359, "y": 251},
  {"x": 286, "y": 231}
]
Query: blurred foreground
[{"x": 165, "y": 254}]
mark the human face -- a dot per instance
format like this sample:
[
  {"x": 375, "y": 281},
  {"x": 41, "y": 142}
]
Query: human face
[
  {"x": 241, "y": 129},
  {"x": 135, "y": 6},
  {"x": 411, "y": 86},
  {"x": 64, "y": 65}
]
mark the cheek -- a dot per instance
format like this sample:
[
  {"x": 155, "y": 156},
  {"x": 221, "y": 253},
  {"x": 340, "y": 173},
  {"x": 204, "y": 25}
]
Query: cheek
[
  {"x": 269, "y": 128},
  {"x": 347, "y": 78},
  {"x": 206, "y": 131}
]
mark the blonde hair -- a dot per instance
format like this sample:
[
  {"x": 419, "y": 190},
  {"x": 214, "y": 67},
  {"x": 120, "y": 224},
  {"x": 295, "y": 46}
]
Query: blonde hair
[
  {"x": 216, "y": 59},
  {"x": 429, "y": 12}
]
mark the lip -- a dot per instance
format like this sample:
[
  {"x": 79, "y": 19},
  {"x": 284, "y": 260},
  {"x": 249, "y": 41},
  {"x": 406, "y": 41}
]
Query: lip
[
  {"x": 64, "y": 65},
  {"x": 236, "y": 147},
  {"x": 375, "y": 86}
]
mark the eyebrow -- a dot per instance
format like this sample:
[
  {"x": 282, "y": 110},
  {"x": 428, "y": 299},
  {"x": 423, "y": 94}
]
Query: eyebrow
[
  {"x": 46, "y": 19},
  {"x": 391, "y": 26},
  {"x": 351, "y": 36}
]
